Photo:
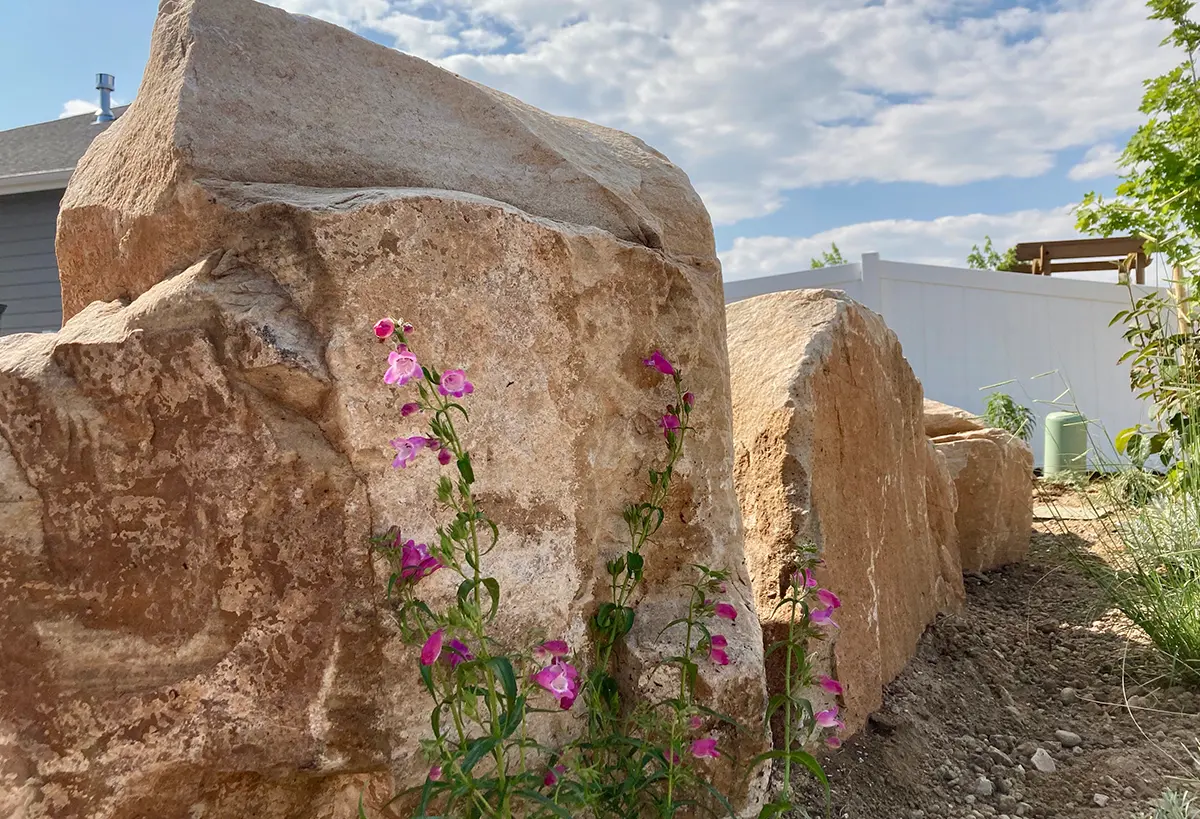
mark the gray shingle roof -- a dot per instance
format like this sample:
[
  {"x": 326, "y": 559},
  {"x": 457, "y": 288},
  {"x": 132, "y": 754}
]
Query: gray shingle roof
[{"x": 48, "y": 146}]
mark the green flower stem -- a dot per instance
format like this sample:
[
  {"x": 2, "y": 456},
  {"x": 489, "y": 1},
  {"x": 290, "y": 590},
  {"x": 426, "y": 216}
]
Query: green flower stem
[
  {"x": 787, "y": 687},
  {"x": 443, "y": 410}
]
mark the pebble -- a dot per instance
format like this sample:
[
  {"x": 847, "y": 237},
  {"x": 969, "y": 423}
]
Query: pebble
[
  {"x": 1100, "y": 800},
  {"x": 1068, "y": 696},
  {"x": 1069, "y": 739},
  {"x": 984, "y": 786},
  {"x": 1042, "y": 760}
]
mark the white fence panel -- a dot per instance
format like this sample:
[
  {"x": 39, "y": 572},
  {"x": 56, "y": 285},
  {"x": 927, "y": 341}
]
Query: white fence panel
[
  {"x": 963, "y": 330},
  {"x": 846, "y": 277}
]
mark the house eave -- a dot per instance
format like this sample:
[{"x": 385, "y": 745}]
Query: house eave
[{"x": 36, "y": 181}]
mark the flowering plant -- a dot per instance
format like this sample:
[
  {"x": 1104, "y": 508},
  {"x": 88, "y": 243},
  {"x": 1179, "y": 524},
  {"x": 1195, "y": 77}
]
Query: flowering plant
[{"x": 633, "y": 758}]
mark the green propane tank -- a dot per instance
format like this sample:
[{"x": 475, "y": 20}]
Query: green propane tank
[{"x": 1066, "y": 444}]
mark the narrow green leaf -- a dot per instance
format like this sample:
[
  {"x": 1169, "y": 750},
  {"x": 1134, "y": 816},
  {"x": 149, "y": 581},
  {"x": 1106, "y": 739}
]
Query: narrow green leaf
[
  {"x": 464, "y": 468},
  {"x": 508, "y": 679},
  {"x": 541, "y": 799},
  {"x": 477, "y": 750},
  {"x": 493, "y": 587}
]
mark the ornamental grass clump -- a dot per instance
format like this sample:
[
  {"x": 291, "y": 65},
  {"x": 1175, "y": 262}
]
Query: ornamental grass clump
[{"x": 646, "y": 757}]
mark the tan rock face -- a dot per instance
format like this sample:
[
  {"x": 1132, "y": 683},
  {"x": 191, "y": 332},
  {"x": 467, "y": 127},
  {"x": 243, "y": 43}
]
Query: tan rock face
[
  {"x": 169, "y": 623},
  {"x": 943, "y": 419},
  {"x": 206, "y": 486},
  {"x": 830, "y": 447},
  {"x": 239, "y": 91},
  {"x": 192, "y": 624},
  {"x": 993, "y": 473}
]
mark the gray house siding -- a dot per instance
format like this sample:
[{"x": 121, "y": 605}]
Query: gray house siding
[{"x": 28, "y": 270}]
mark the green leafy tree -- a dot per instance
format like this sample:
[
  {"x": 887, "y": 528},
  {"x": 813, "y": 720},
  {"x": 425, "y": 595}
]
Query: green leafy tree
[
  {"x": 829, "y": 258},
  {"x": 986, "y": 258},
  {"x": 1158, "y": 196}
]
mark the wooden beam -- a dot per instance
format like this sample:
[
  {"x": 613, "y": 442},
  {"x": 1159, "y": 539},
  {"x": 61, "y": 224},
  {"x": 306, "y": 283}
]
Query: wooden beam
[
  {"x": 1080, "y": 248},
  {"x": 1115, "y": 265},
  {"x": 1079, "y": 267}
]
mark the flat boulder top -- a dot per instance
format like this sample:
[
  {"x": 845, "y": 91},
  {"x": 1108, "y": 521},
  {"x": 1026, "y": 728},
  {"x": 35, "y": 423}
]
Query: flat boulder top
[
  {"x": 944, "y": 419},
  {"x": 239, "y": 91}
]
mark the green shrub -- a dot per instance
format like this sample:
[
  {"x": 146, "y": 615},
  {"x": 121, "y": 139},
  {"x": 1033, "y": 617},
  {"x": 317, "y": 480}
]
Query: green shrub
[
  {"x": 1177, "y": 805},
  {"x": 1003, "y": 412},
  {"x": 1154, "y": 577}
]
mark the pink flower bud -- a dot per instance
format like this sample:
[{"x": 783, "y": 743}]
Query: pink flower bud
[{"x": 432, "y": 648}]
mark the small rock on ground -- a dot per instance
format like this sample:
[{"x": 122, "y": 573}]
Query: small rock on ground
[
  {"x": 1069, "y": 739},
  {"x": 1042, "y": 760}
]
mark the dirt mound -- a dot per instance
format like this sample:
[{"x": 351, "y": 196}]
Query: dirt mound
[{"x": 1033, "y": 702}]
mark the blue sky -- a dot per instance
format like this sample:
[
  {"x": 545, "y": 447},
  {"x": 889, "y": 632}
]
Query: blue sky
[{"x": 907, "y": 127}]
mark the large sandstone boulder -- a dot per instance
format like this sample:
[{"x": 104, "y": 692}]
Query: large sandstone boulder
[
  {"x": 191, "y": 623},
  {"x": 237, "y": 92},
  {"x": 993, "y": 473},
  {"x": 944, "y": 419},
  {"x": 830, "y": 448}
]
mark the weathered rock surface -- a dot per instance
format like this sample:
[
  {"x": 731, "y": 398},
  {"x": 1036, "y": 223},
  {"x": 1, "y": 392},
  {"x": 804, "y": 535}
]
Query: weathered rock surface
[
  {"x": 830, "y": 447},
  {"x": 993, "y": 473},
  {"x": 191, "y": 624},
  {"x": 943, "y": 419},
  {"x": 243, "y": 92}
]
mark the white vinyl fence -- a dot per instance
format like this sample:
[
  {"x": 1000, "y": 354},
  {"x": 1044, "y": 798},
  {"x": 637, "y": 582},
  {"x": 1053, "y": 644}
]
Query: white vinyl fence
[{"x": 964, "y": 330}]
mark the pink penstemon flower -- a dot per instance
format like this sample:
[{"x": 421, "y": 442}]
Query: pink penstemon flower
[
  {"x": 409, "y": 408},
  {"x": 552, "y": 775},
  {"x": 416, "y": 563},
  {"x": 830, "y": 684},
  {"x": 407, "y": 449},
  {"x": 705, "y": 748},
  {"x": 829, "y": 719},
  {"x": 457, "y": 652},
  {"x": 822, "y": 617},
  {"x": 561, "y": 680},
  {"x": 689, "y": 400},
  {"x": 384, "y": 328},
  {"x": 828, "y": 599},
  {"x": 454, "y": 382},
  {"x": 669, "y": 424},
  {"x": 804, "y": 578},
  {"x": 551, "y": 650},
  {"x": 716, "y": 649},
  {"x": 402, "y": 367},
  {"x": 659, "y": 362},
  {"x": 435, "y": 773},
  {"x": 725, "y": 611}
]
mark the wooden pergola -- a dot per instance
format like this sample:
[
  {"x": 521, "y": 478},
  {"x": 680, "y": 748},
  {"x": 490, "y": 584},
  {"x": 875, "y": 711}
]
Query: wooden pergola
[{"x": 1042, "y": 258}]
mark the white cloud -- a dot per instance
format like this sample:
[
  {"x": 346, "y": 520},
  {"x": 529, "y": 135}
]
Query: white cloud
[
  {"x": 757, "y": 98},
  {"x": 944, "y": 241},
  {"x": 1099, "y": 161},
  {"x": 74, "y": 108}
]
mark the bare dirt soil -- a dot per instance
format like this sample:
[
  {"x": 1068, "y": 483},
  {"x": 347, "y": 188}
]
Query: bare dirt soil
[{"x": 1033, "y": 674}]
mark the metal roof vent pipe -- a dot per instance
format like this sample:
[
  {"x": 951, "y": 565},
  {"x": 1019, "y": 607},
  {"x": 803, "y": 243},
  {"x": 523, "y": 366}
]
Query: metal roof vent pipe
[{"x": 105, "y": 84}]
